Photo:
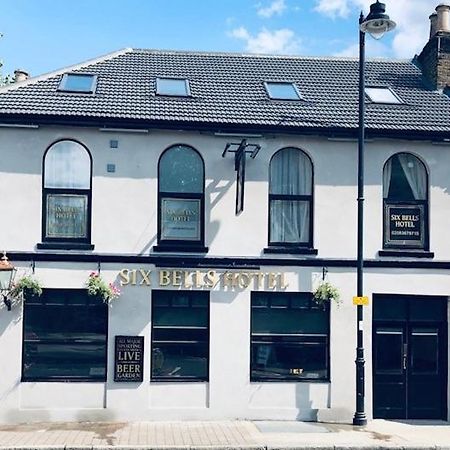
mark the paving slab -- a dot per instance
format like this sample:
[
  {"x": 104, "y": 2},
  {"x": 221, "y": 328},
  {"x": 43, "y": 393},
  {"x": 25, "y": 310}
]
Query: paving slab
[{"x": 226, "y": 435}]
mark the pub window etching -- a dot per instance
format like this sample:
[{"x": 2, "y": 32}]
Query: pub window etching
[
  {"x": 66, "y": 194},
  {"x": 405, "y": 203},
  {"x": 290, "y": 199},
  {"x": 181, "y": 198}
]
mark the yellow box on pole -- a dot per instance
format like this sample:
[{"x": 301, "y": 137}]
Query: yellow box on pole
[{"x": 361, "y": 301}]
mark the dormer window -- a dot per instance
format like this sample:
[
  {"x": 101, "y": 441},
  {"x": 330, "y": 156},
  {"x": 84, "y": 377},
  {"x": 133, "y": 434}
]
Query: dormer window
[
  {"x": 78, "y": 82},
  {"x": 172, "y": 86},
  {"x": 280, "y": 90},
  {"x": 382, "y": 95}
]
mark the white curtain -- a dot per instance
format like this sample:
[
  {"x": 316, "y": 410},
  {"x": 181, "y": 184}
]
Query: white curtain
[
  {"x": 387, "y": 173},
  {"x": 415, "y": 174},
  {"x": 67, "y": 166},
  {"x": 290, "y": 174}
]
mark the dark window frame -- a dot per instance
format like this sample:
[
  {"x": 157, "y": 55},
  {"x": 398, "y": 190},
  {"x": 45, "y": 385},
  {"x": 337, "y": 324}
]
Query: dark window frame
[
  {"x": 59, "y": 242},
  {"x": 65, "y": 79},
  {"x": 291, "y": 83},
  {"x": 276, "y": 338},
  {"x": 181, "y": 244},
  {"x": 163, "y": 379},
  {"x": 423, "y": 204},
  {"x": 92, "y": 379},
  {"x": 186, "y": 85},
  {"x": 289, "y": 246}
]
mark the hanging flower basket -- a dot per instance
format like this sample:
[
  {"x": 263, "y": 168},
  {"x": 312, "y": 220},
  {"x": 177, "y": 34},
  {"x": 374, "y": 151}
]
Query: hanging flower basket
[
  {"x": 25, "y": 288},
  {"x": 326, "y": 293},
  {"x": 98, "y": 287}
]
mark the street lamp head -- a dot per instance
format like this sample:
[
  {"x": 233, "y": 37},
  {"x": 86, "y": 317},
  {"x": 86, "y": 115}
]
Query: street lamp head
[{"x": 377, "y": 21}]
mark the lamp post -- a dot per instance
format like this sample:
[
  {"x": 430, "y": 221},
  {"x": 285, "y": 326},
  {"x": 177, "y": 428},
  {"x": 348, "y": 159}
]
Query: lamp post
[
  {"x": 376, "y": 24},
  {"x": 6, "y": 276}
]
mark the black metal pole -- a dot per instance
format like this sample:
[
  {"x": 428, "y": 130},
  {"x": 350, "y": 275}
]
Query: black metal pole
[{"x": 360, "y": 415}]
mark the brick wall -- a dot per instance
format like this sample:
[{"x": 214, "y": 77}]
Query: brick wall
[{"x": 434, "y": 60}]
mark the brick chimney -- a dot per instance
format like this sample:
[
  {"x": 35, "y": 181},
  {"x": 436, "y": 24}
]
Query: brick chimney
[{"x": 434, "y": 60}]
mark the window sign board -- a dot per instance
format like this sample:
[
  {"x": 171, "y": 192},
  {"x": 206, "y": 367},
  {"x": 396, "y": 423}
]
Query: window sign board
[
  {"x": 66, "y": 216},
  {"x": 129, "y": 358},
  {"x": 405, "y": 225},
  {"x": 180, "y": 219}
]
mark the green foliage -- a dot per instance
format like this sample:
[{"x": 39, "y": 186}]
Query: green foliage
[
  {"x": 26, "y": 286},
  {"x": 326, "y": 293},
  {"x": 98, "y": 287}
]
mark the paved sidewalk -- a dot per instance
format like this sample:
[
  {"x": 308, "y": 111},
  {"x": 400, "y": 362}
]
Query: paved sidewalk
[{"x": 222, "y": 435}]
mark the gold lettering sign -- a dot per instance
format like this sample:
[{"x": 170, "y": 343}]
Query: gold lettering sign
[{"x": 206, "y": 279}]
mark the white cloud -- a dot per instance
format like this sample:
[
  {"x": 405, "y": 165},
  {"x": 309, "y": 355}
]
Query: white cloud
[
  {"x": 411, "y": 17},
  {"x": 276, "y": 7},
  {"x": 333, "y": 8},
  {"x": 282, "y": 41}
]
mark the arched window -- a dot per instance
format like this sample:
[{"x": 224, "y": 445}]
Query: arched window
[
  {"x": 66, "y": 195},
  {"x": 405, "y": 198},
  {"x": 181, "y": 198},
  {"x": 290, "y": 199}
]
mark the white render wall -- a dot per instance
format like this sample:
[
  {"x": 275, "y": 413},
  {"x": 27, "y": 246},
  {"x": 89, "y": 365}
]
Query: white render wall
[{"x": 124, "y": 220}]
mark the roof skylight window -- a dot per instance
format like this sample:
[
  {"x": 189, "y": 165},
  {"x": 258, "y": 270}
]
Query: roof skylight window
[
  {"x": 280, "y": 90},
  {"x": 172, "y": 86},
  {"x": 382, "y": 95},
  {"x": 78, "y": 82}
]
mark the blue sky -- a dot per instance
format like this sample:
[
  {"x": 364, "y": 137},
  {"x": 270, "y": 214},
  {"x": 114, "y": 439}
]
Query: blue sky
[{"x": 44, "y": 35}]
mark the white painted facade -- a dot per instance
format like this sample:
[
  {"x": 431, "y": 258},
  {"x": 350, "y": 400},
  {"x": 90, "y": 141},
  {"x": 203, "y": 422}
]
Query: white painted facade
[{"x": 124, "y": 221}]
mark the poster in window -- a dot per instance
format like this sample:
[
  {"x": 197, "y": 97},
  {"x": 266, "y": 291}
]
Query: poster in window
[
  {"x": 405, "y": 225},
  {"x": 129, "y": 358},
  {"x": 180, "y": 219},
  {"x": 66, "y": 216}
]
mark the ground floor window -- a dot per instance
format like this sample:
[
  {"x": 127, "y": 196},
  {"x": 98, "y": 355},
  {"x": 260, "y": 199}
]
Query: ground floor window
[
  {"x": 180, "y": 335},
  {"x": 65, "y": 335},
  {"x": 289, "y": 337}
]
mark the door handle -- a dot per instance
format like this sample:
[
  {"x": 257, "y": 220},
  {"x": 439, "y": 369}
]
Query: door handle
[{"x": 405, "y": 356}]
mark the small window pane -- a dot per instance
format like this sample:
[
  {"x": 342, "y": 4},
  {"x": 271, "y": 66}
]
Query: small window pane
[
  {"x": 180, "y": 219},
  {"x": 73, "y": 82},
  {"x": 381, "y": 95},
  {"x": 389, "y": 352},
  {"x": 66, "y": 216},
  {"x": 67, "y": 166},
  {"x": 424, "y": 351},
  {"x": 181, "y": 170},
  {"x": 172, "y": 86},
  {"x": 289, "y": 221},
  {"x": 180, "y": 360},
  {"x": 290, "y": 360},
  {"x": 282, "y": 91}
]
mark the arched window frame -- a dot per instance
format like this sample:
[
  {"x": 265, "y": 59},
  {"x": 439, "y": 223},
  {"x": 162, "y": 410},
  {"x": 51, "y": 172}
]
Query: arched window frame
[
  {"x": 393, "y": 206},
  {"x": 300, "y": 246},
  {"x": 167, "y": 244},
  {"x": 66, "y": 242}
]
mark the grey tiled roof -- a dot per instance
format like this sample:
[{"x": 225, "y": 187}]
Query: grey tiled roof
[{"x": 228, "y": 90}]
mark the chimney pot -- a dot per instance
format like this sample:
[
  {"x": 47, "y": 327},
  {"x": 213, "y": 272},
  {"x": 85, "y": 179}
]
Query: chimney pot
[
  {"x": 433, "y": 24},
  {"x": 443, "y": 17},
  {"x": 20, "y": 75}
]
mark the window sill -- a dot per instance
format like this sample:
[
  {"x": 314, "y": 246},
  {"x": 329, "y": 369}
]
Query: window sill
[
  {"x": 179, "y": 380},
  {"x": 289, "y": 380},
  {"x": 62, "y": 380},
  {"x": 64, "y": 246},
  {"x": 180, "y": 249},
  {"x": 291, "y": 250},
  {"x": 406, "y": 253}
]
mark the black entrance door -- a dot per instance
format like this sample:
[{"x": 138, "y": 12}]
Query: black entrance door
[{"x": 409, "y": 357}]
